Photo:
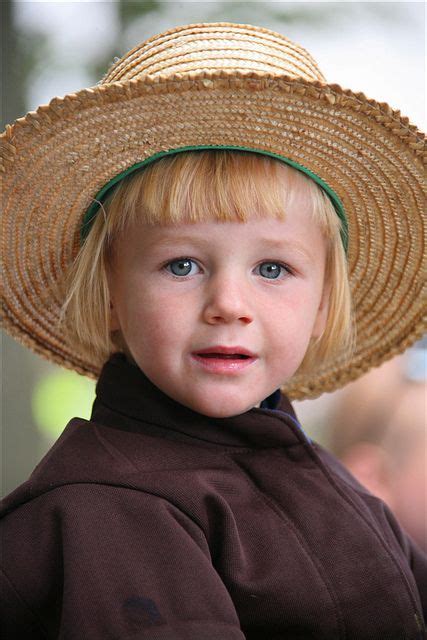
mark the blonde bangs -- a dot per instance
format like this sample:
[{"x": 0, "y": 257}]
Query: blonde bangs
[{"x": 207, "y": 185}]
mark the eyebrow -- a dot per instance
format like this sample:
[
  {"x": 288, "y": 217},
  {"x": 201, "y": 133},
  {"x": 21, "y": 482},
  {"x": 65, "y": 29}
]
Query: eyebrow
[
  {"x": 284, "y": 244},
  {"x": 261, "y": 242},
  {"x": 172, "y": 240}
]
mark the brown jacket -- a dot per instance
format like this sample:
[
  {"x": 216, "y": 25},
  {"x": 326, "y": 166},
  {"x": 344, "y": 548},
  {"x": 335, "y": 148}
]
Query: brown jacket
[{"x": 154, "y": 522}]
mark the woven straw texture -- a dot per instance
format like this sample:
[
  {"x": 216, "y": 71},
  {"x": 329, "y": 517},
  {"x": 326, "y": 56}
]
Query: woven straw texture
[{"x": 218, "y": 84}]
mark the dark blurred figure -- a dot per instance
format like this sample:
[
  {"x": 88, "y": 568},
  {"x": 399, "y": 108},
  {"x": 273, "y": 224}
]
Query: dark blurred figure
[{"x": 378, "y": 430}]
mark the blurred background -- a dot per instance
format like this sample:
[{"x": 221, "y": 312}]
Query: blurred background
[{"x": 377, "y": 425}]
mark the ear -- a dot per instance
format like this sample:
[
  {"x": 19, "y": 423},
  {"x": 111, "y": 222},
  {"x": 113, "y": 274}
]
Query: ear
[
  {"x": 114, "y": 319},
  {"x": 322, "y": 313}
]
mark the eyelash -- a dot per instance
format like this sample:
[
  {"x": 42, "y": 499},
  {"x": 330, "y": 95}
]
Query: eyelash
[{"x": 283, "y": 265}]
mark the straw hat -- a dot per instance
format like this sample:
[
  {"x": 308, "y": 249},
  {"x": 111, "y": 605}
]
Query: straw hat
[{"x": 217, "y": 85}]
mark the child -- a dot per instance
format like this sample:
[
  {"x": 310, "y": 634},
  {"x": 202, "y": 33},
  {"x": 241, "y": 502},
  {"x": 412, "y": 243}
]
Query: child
[{"x": 220, "y": 190}]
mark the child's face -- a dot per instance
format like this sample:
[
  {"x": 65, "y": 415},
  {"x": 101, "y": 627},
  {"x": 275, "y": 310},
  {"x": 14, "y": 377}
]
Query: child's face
[{"x": 178, "y": 290}]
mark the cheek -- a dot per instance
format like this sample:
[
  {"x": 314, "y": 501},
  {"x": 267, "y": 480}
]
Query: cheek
[
  {"x": 157, "y": 323},
  {"x": 288, "y": 327},
  {"x": 294, "y": 310}
]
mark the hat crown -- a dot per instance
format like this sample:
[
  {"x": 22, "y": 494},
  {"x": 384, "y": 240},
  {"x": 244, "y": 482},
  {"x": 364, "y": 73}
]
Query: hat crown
[{"x": 216, "y": 46}]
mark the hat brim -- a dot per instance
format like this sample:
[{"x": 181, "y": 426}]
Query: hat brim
[{"x": 56, "y": 159}]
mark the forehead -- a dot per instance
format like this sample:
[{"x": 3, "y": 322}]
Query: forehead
[{"x": 296, "y": 235}]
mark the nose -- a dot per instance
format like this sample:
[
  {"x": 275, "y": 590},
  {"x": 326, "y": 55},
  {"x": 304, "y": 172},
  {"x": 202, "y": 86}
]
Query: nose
[{"x": 227, "y": 301}]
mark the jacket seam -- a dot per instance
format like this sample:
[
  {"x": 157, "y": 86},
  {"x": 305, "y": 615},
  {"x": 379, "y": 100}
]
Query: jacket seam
[
  {"x": 122, "y": 485},
  {"x": 319, "y": 569},
  {"x": 331, "y": 477},
  {"x": 24, "y": 603}
]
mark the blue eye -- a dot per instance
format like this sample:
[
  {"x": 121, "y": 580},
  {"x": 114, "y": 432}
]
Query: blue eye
[
  {"x": 271, "y": 270},
  {"x": 180, "y": 267}
]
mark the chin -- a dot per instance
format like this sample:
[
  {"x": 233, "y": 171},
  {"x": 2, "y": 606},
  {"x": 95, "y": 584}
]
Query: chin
[{"x": 225, "y": 410}]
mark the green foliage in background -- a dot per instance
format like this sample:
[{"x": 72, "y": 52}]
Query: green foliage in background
[{"x": 58, "y": 397}]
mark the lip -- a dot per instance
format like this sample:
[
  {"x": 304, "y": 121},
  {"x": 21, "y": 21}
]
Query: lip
[
  {"x": 226, "y": 351},
  {"x": 228, "y": 366}
]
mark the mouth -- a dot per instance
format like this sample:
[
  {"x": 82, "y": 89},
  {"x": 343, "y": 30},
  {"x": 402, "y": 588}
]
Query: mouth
[
  {"x": 224, "y": 360},
  {"x": 225, "y": 352}
]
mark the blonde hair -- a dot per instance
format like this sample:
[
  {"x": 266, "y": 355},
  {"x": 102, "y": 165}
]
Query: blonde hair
[{"x": 196, "y": 187}]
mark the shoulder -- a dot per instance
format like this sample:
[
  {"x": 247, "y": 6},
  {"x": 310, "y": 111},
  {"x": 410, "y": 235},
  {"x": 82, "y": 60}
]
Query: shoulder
[
  {"x": 370, "y": 506},
  {"x": 81, "y": 459},
  {"x": 89, "y": 480},
  {"x": 90, "y": 537},
  {"x": 339, "y": 471},
  {"x": 84, "y": 507},
  {"x": 97, "y": 469},
  {"x": 83, "y": 522}
]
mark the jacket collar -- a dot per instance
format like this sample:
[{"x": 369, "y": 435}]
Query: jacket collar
[{"x": 127, "y": 399}]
